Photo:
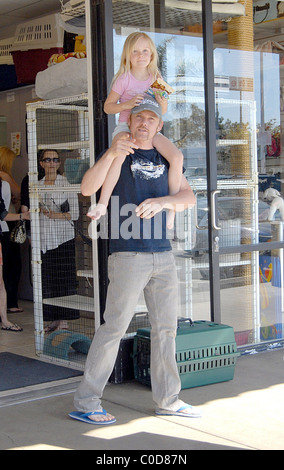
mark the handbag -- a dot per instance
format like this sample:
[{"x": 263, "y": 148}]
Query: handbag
[
  {"x": 19, "y": 233},
  {"x": 65, "y": 206}
]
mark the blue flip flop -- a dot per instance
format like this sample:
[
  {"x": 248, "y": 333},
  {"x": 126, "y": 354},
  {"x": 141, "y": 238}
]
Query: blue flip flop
[
  {"x": 193, "y": 413},
  {"x": 85, "y": 417}
]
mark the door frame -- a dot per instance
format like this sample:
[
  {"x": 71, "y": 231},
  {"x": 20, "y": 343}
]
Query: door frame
[
  {"x": 211, "y": 160},
  {"x": 101, "y": 66}
]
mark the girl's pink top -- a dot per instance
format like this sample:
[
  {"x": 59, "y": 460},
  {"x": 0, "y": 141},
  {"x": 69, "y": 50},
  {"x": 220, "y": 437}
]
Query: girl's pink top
[{"x": 127, "y": 87}]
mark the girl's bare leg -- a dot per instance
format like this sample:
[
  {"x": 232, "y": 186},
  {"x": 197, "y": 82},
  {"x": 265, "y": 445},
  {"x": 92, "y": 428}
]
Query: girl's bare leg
[
  {"x": 112, "y": 178},
  {"x": 175, "y": 158}
]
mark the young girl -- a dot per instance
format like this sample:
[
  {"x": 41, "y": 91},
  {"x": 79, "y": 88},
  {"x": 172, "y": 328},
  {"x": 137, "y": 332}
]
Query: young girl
[{"x": 138, "y": 70}]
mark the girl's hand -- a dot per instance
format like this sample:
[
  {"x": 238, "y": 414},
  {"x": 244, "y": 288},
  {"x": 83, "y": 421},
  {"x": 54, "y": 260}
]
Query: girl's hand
[
  {"x": 163, "y": 102},
  {"x": 135, "y": 101},
  {"x": 161, "y": 99}
]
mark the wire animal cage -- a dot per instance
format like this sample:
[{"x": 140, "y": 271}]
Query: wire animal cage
[
  {"x": 64, "y": 258},
  {"x": 64, "y": 244}
]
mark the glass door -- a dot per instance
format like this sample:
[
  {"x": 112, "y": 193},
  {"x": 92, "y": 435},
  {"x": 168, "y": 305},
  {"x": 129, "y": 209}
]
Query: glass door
[
  {"x": 181, "y": 64},
  {"x": 219, "y": 244},
  {"x": 248, "y": 130}
]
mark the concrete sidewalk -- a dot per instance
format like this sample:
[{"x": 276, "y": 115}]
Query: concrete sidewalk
[{"x": 245, "y": 413}]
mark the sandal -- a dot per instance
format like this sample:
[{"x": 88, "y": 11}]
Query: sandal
[
  {"x": 85, "y": 417},
  {"x": 15, "y": 310},
  {"x": 187, "y": 411},
  {"x": 13, "y": 327}
]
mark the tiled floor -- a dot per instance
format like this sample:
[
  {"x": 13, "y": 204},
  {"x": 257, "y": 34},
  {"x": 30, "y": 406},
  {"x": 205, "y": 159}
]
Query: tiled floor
[
  {"x": 21, "y": 343},
  {"x": 244, "y": 413}
]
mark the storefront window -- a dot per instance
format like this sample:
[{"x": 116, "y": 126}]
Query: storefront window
[
  {"x": 181, "y": 66},
  {"x": 247, "y": 58}
]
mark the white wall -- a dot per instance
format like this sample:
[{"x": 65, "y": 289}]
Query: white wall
[{"x": 15, "y": 112}]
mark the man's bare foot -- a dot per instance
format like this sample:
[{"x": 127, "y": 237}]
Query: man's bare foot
[
  {"x": 186, "y": 410},
  {"x": 98, "y": 418}
]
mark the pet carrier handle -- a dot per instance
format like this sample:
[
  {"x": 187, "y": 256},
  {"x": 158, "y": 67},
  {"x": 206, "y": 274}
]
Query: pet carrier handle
[
  {"x": 183, "y": 320},
  {"x": 213, "y": 206}
]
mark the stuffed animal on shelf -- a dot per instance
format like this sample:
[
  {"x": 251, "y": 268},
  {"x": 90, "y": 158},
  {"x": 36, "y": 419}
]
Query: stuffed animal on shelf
[
  {"x": 277, "y": 203},
  {"x": 79, "y": 46},
  {"x": 59, "y": 58}
]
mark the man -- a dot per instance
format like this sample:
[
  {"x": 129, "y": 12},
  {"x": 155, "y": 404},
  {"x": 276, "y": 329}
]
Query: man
[{"x": 143, "y": 261}]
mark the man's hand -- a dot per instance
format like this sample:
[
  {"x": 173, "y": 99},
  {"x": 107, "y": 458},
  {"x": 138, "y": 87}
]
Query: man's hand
[
  {"x": 123, "y": 146},
  {"x": 179, "y": 202},
  {"x": 149, "y": 208},
  {"x": 95, "y": 177}
]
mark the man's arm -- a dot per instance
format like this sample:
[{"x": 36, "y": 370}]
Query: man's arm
[
  {"x": 184, "y": 199},
  {"x": 95, "y": 176}
]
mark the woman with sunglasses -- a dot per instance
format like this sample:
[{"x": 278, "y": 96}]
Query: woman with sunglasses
[{"x": 58, "y": 210}]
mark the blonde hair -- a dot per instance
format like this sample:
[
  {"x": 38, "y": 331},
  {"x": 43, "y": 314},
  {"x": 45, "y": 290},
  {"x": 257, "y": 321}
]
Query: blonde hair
[
  {"x": 129, "y": 44},
  {"x": 6, "y": 159}
]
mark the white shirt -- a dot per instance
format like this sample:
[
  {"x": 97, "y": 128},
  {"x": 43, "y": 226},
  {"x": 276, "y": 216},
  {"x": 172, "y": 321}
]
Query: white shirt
[
  {"x": 6, "y": 196},
  {"x": 54, "y": 232}
]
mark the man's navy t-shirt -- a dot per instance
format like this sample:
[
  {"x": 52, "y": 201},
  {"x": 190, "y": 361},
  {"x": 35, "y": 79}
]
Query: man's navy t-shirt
[{"x": 144, "y": 175}]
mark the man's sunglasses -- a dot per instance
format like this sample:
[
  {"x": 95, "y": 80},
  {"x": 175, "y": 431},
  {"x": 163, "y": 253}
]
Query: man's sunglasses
[{"x": 54, "y": 160}]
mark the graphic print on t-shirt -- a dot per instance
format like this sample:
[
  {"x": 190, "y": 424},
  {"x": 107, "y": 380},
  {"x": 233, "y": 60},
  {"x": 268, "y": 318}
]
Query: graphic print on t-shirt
[{"x": 147, "y": 170}]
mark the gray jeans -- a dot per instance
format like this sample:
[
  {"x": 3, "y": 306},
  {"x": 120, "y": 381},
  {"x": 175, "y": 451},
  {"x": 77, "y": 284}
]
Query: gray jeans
[{"x": 130, "y": 273}]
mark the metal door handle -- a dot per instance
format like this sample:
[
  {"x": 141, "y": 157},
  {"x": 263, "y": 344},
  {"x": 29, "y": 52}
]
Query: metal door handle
[
  {"x": 213, "y": 206},
  {"x": 196, "y": 213}
]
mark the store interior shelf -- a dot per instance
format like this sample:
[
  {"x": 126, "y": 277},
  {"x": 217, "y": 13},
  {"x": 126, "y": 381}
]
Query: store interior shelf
[
  {"x": 230, "y": 142},
  {"x": 78, "y": 302},
  {"x": 77, "y": 145},
  {"x": 72, "y": 188},
  {"x": 222, "y": 264},
  {"x": 88, "y": 273}
]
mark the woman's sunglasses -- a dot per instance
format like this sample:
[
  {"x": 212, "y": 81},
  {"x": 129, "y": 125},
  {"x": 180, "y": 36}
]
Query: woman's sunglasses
[{"x": 54, "y": 160}]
